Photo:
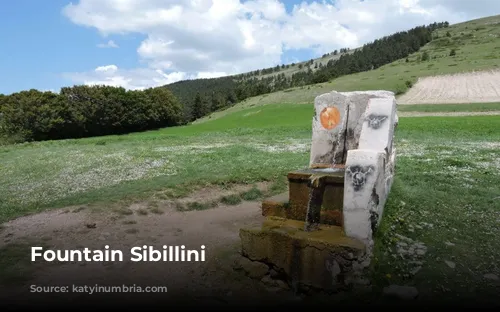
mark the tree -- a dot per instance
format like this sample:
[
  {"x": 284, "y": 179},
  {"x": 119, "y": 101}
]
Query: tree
[
  {"x": 33, "y": 115},
  {"x": 217, "y": 102},
  {"x": 231, "y": 98},
  {"x": 198, "y": 109},
  {"x": 448, "y": 34},
  {"x": 166, "y": 110}
]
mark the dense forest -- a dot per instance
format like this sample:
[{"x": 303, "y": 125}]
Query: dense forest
[{"x": 85, "y": 111}]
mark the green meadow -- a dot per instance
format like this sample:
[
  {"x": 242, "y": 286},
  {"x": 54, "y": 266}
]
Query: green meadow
[{"x": 444, "y": 201}]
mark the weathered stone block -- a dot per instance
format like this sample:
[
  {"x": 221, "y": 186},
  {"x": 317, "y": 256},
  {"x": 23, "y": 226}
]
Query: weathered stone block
[
  {"x": 299, "y": 193},
  {"x": 276, "y": 206},
  {"x": 370, "y": 167},
  {"x": 378, "y": 126},
  {"x": 304, "y": 257},
  {"x": 330, "y": 117},
  {"x": 272, "y": 208},
  {"x": 274, "y": 284},
  {"x": 253, "y": 269},
  {"x": 338, "y": 122},
  {"x": 363, "y": 188}
]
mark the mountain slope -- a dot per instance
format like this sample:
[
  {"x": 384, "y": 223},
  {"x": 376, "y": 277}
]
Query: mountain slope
[
  {"x": 476, "y": 44},
  {"x": 203, "y": 96}
]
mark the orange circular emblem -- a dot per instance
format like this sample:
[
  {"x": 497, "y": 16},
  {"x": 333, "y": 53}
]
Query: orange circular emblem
[{"x": 330, "y": 117}]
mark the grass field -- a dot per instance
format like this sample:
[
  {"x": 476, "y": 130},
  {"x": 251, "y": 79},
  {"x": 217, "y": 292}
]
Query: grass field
[
  {"x": 258, "y": 144},
  {"x": 444, "y": 200}
]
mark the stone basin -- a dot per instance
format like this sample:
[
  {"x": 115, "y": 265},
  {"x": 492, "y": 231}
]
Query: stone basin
[
  {"x": 333, "y": 175},
  {"x": 293, "y": 204}
]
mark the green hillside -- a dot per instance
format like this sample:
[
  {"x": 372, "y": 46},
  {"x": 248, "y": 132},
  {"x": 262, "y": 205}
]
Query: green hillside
[
  {"x": 203, "y": 96},
  {"x": 477, "y": 47}
]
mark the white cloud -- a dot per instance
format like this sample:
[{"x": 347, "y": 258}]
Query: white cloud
[
  {"x": 107, "y": 68},
  {"x": 135, "y": 79},
  {"x": 208, "y": 38},
  {"x": 109, "y": 44},
  {"x": 205, "y": 75}
]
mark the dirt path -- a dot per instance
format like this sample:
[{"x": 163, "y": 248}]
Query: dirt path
[
  {"x": 213, "y": 281},
  {"x": 447, "y": 114},
  {"x": 475, "y": 87}
]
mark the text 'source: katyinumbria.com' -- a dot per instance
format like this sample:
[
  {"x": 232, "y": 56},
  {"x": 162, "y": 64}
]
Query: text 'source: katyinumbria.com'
[{"x": 98, "y": 289}]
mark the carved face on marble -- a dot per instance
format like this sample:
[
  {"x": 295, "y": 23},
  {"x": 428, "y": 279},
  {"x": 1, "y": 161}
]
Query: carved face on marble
[
  {"x": 358, "y": 175},
  {"x": 329, "y": 117},
  {"x": 375, "y": 121}
]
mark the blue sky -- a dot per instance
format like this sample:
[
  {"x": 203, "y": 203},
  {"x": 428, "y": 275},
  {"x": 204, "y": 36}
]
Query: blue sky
[
  {"x": 46, "y": 49},
  {"x": 39, "y": 44}
]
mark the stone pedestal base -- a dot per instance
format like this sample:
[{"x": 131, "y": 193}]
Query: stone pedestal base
[
  {"x": 293, "y": 204},
  {"x": 325, "y": 259}
]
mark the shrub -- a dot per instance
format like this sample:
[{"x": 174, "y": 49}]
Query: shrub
[
  {"x": 231, "y": 200},
  {"x": 400, "y": 89},
  {"x": 425, "y": 56},
  {"x": 252, "y": 194}
]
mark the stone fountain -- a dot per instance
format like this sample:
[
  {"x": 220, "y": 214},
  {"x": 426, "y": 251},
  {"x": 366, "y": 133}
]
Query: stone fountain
[{"x": 320, "y": 233}]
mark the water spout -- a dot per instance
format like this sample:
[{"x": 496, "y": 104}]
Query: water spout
[
  {"x": 313, "y": 216},
  {"x": 328, "y": 170}
]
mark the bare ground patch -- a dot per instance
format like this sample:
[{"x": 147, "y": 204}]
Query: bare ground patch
[
  {"x": 474, "y": 87},
  {"x": 211, "y": 193},
  {"x": 78, "y": 227}
]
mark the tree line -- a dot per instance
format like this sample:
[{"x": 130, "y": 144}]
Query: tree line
[{"x": 85, "y": 111}]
